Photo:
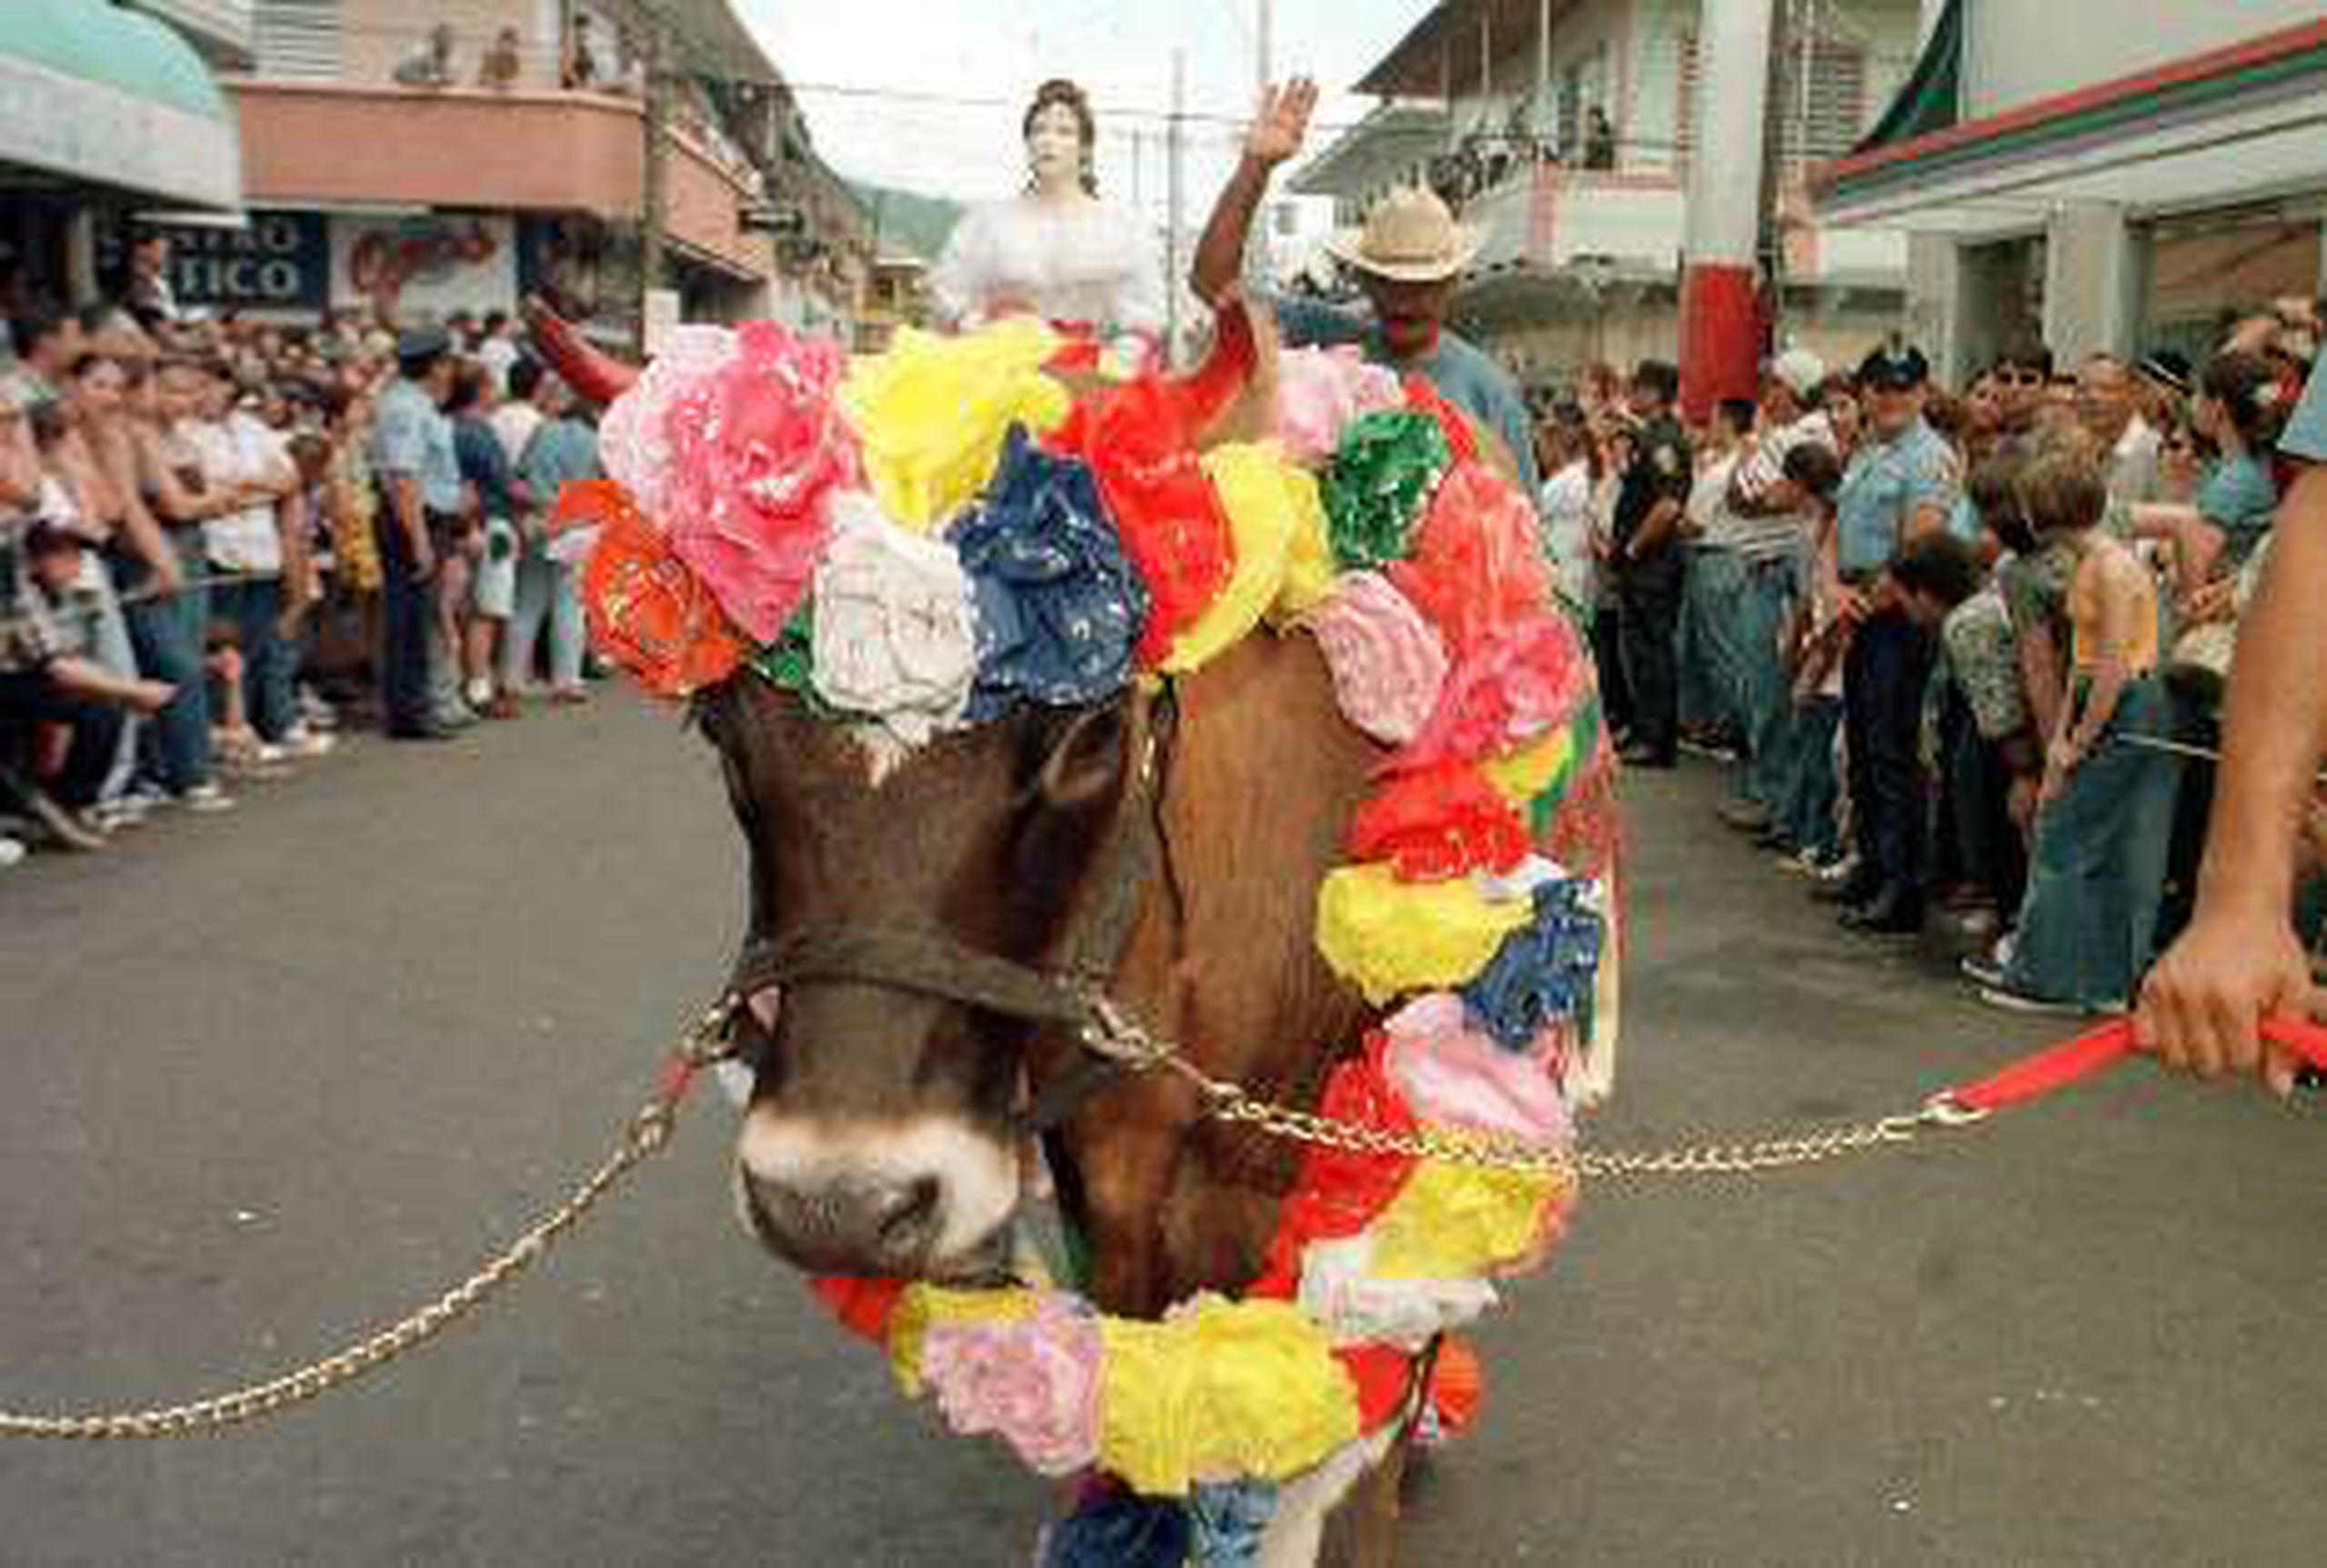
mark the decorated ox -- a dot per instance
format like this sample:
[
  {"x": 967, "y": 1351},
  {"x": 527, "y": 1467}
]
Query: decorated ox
[{"x": 980, "y": 636}]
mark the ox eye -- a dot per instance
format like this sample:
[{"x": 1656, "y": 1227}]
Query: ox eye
[{"x": 1085, "y": 757}]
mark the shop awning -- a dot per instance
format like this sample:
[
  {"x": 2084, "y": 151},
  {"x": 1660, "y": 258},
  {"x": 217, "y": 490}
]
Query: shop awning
[{"x": 94, "y": 93}]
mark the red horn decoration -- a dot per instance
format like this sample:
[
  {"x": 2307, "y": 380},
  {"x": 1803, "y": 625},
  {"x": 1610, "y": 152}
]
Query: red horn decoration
[{"x": 595, "y": 376}]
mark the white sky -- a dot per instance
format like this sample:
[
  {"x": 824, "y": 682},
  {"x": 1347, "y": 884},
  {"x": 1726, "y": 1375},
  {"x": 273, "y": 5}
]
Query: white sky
[{"x": 892, "y": 58}]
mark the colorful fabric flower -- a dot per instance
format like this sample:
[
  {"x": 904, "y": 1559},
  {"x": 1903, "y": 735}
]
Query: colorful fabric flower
[
  {"x": 1514, "y": 687},
  {"x": 1140, "y": 438},
  {"x": 634, "y": 438},
  {"x": 1340, "y": 1289},
  {"x": 1220, "y": 1391},
  {"x": 1033, "y": 1383},
  {"x": 1379, "y": 483},
  {"x": 1388, "y": 664},
  {"x": 1439, "y": 822},
  {"x": 892, "y": 632},
  {"x": 756, "y": 448},
  {"x": 1457, "y": 1222},
  {"x": 1454, "y": 1076},
  {"x": 1232, "y": 1520},
  {"x": 1256, "y": 494},
  {"x": 1320, "y": 390},
  {"x": 1388, "y": 937},
  {"x": 1308, "y": 554},
  {"x": 932, "y": 412},
  {"x": 1059, "y": 609},
  {"x": 1476, "y": 567},
  {"x": 1113, "y": 1527},
  {"x": 1545, "y": 972},
  {"x": 648, "y": 612},
  {"x": 1462, "y": 439},
  {"x": 1340, "y": 1191}
]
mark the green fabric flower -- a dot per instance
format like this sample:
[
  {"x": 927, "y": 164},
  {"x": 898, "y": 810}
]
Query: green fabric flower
[
  {"x": 1380, "y": 483},
  {"x": 788, "y": 663}
]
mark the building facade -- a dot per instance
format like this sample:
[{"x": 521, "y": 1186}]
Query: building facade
[
  {"x": 2127, "y": 187},
  {"x": 1564, "y": 130},
  {"x": 421, "y": 162}
]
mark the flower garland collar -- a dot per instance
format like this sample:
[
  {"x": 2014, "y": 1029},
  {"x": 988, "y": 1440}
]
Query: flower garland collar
[{"x": 921, "y": 540}]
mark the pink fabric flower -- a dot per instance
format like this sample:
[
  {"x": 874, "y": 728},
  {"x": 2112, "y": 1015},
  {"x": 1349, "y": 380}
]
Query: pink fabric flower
[
  {"x": 1514, "y": 687},
  {"x": 756, "y": 448},
  {"x": 1319, "y": 391},
  {"x": 1454, "y": 1076},
  {"x": 634, "y": 437},
  {"x": 1034, "y": 1382},
  {"x": 1387, "y": 663},
  {"x": 1477, "y": 565}
]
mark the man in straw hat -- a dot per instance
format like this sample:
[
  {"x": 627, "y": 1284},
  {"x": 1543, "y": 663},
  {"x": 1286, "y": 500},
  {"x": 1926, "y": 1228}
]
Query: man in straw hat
[{"x": 1407, "y": 258}]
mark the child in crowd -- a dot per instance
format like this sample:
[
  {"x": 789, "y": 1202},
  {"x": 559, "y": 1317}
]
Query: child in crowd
[
  {"x": 2106, "y": 802},
  {"x": 1806, "y": 819},
  {"x": 2241, "y": 405}
]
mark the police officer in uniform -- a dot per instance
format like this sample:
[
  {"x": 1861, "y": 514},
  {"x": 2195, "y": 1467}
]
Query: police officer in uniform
[
  {"x": 1900, "y": 485},
  {"x": 420, "y": 499},
  {"x": 1646, "y": 563}
]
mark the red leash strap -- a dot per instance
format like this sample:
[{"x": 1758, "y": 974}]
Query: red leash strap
[{"x": 2073, "y": 1061}]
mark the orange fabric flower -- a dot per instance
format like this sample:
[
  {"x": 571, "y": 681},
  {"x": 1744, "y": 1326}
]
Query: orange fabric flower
[{"x": 648, "y": 611}]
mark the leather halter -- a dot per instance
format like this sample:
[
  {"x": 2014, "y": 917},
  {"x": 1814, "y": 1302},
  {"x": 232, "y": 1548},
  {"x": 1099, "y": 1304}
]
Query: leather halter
[{"x": 1072, "y": 998}]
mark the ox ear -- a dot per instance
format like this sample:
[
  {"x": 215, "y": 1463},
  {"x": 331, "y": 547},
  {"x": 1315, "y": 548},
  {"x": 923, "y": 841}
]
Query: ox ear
[{"x": 1088, "y": 755}]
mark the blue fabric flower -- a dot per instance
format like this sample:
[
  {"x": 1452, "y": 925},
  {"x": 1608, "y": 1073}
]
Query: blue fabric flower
[
  {"x": 1231, "y": 1519},
  {"x": 1543, "y": 972},
  {"x": 1120, "y": 1528},
  {"x": 1060, "y": 609}
]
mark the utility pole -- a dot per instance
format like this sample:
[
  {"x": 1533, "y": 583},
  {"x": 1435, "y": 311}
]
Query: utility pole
[
  {"x": 1267, "y": 31},
  {"x": 654, "y": 172},
  {"x": 1781, "y": 97},
  {"x": 1172, "y": 268}
]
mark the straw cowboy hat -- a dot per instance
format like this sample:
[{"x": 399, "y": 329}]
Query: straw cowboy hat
[{"x": 1410, "y": 237}]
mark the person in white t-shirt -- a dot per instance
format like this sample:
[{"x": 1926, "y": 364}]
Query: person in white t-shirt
[{"x": 255, "y": 555}]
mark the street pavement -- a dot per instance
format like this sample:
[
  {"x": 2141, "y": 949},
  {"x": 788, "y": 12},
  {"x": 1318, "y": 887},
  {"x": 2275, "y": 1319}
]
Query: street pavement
[{"x": 274, "y": 1078}]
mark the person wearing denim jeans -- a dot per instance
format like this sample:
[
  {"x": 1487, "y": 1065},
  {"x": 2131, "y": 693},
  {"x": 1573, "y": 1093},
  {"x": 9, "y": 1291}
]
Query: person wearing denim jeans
[
  {"x": 562, "y": 451},
  {"x": 251, "y": 549}
]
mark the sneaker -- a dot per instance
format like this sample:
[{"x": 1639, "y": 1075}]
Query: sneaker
[
  {"x": 12, "y": 852},
  {"x": 1747, "y": 816},
  {"x": 306, "y": 745},
  {"x": 270, "y": 755},
  {"x": 207, "y": 800},
  {"x": 111, "y": 816},
  {"x": 2020, "y": 1002},
  {"x": 569, "y": 696},
  {"x": 1712, "y": 750},
  {"x": 1984, "y": 970},
  {"x": 62, "y": 827},
  {"x": 1840, "y": 869}
]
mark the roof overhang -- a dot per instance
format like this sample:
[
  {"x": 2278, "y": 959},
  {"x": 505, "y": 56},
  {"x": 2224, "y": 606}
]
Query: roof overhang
[
  {"x": 1439, "y": 57},
  {"x": 95, "y": 93},
  {"x": 2235, "y": 125},
  {"x": 1391, "y": 135}
]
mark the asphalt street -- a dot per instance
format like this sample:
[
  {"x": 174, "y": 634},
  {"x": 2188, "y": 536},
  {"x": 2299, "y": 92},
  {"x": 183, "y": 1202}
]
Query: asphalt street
[{"x": 273, "y": 1078}]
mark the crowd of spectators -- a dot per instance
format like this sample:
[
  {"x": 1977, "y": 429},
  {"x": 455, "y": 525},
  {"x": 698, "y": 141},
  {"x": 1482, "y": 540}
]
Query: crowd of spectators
[
  {"x": 1965, "y": 648},
  {"x": 205, "y": 529}
]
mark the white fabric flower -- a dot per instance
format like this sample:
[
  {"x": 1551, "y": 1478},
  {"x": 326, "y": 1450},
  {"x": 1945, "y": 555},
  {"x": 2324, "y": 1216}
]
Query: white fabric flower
[
  {"x": 1338, "y": 1290},
  {"x": 894, "y": 633}
]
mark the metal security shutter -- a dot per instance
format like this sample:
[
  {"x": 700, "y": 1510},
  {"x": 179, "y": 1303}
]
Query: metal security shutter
[{"x": 300, "y": 39}]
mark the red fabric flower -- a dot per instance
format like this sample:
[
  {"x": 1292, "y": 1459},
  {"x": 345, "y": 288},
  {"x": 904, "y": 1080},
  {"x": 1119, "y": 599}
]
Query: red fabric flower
[
  {"x": 1439, "y": 822},
  {"x": 1461, "y": 439},
  {"x": 863, "y": 1306},
  {"x": 1476, "y": 565},
  {"x": 1139, "y": 438},
  {"x": 1340, "y": 1192},
  {"x": 648, "y": 611}
]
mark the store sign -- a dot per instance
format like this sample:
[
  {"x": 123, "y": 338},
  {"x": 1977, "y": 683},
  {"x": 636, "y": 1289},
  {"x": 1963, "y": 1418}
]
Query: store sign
[
  {"x": 427, "y": 266},
  {"x": 282, "y": 261}
]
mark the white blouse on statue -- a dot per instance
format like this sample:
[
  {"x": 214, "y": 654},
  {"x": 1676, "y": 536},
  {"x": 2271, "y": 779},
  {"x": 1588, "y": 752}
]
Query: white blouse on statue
[{"x": 1082, "y": 262}]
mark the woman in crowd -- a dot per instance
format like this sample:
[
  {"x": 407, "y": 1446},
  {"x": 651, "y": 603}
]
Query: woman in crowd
[
  {"x": 1570, "y": 457},
  {"x": 2087, "y": 922},
  {"x": 2240, "y": 407}
]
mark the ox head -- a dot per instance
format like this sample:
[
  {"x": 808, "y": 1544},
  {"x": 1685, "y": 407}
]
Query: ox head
[{"x": 881, "y": 1137}]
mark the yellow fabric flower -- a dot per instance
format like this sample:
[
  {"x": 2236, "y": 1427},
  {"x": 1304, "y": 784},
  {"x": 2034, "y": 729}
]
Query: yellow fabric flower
[
  {"x": 1220, "y": 1392},
  {"x": 924, "y": 1307},
  {"x": 1255, "y": 492},
  {"x": 1453, "y": 1222},
  {"x": 1526, "y": 776},
  {"x": 1391, "y": 937},
  {"x": 931, "y": 413},
  {"x": 1309, "y": 557}
]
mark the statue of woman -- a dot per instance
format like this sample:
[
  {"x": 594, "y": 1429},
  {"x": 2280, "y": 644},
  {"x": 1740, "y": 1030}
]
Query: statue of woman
[{"x": 1055, "y": 250}]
